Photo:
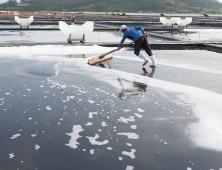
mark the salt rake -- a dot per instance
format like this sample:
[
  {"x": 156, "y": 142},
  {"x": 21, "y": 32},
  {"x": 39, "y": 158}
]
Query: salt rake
[{"x": 104, "y": 57}]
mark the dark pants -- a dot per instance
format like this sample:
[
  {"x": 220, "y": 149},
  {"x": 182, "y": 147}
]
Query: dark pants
[{"x": 142, "y": 42}]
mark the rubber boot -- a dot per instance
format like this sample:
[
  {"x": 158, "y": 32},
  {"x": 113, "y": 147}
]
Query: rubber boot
[
  {"x": 144, "y": 58},
  {"x": 152, "y": 58}
]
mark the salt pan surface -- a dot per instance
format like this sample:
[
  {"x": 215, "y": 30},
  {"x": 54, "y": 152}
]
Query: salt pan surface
[
  {"x": 92, "y": 151},
  {"x": 206, "y": 128},
  {"x": 74, "y": 136},
  {"x": 104, "y": 124},
  {"x": 90, "y": 101},
  {"x": 93, "y": 141},
  {"x": 37, "y": 147},
  {"x": 88, "y": 124},
  {"x": 126, "y": 120},
  {"x": 48, "y": 108},
  {"x": 140, "y": 110},
  {"x": 15, "y": 136},
  {"x": 130, "y": 154},
  {"x": 130, "y": 135},
  {"x": 11, "y": 155},
  {"x": 33, "y": 135},
  {"x": 129, "y": 144},
  {"x": 91, "y": 114},
  {"x": 129, "y": 167},
  {"x": 133, "y": 126},
  {"x": 138, "y": 115}
]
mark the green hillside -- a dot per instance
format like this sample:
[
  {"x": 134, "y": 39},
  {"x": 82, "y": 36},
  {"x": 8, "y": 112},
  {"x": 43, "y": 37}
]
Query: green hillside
[{"x": 121, "y": 6}]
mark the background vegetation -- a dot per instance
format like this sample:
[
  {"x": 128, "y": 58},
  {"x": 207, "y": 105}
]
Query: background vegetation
[{"x": 161, "y": 6}]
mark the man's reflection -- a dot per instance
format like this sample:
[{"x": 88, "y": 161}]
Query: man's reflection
[
  {"x": 138, "y": 90},
  {"x": 145, "y": 73}
]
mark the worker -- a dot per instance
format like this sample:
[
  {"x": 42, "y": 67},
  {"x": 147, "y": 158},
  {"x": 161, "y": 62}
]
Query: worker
[
  {"x": 72, "y": 19},
  {"x": 140, "y": 40}
]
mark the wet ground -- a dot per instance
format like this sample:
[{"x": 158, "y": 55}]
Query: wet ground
[{"x": 57, "y": 112}]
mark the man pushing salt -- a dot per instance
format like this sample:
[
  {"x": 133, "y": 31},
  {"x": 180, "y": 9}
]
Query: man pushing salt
[
  {"x": 140, "y": 40},
  {"x": 72, "y": 18}
]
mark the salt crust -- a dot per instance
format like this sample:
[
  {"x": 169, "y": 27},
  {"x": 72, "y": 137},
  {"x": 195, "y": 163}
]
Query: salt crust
[{"x": 74, "y": 136}]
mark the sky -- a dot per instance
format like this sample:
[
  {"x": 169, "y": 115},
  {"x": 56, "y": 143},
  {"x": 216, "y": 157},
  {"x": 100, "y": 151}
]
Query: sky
[{"x": 3, "y": 1}]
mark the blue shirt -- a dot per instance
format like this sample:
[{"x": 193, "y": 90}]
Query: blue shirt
[{"x": 132, "y": 33}]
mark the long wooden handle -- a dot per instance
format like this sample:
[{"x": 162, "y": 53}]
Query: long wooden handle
[
  {"x": 114, "y": 50},
  {"x": 127, "y": 45}
]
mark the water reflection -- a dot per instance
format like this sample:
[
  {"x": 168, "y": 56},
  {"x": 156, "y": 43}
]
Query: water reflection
[
  {"x": 105, "y": 64},
  {"x": 136, "y": 92},
  {"x": 168, "y": 33},
  {"x": 105, "y": 36},
  {"x": 145, "y": 73},
  {"x": 178, "y": 34},
  {"x": 182, "y": 35},
  {"x": 24, "y": 37},
  {"x": 137, "y": 89},
  {"x": 76, "y": 56},
  {"x": 196, "y": 35}
]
